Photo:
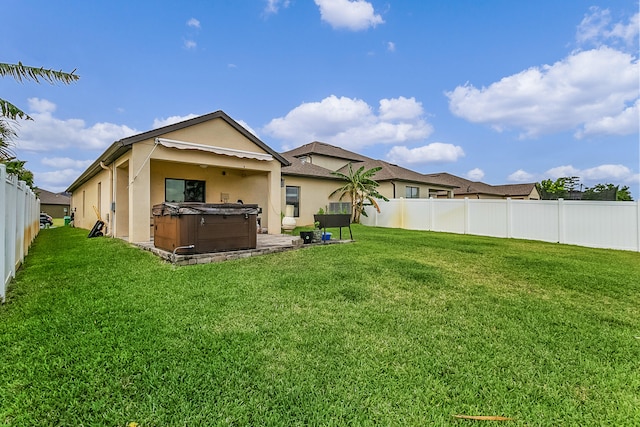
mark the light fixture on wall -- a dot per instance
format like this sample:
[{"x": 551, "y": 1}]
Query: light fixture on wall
[{"x": 204, "y": 166}]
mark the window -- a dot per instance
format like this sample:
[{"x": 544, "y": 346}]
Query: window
[
  {"x": 183, "y": 190},
  {"x": 340, "y": 207},
  {"x": 413, "y": 192},
  {"x": 293, "y": 198}
]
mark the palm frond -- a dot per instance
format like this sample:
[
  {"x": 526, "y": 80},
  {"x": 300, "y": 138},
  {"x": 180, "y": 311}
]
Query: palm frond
[
  {"x": 12, "y": 112},
  {"x": 22, "y": 72}
]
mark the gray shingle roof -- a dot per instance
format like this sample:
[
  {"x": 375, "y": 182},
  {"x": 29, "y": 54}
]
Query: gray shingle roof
[
  {"x": 49, "y": 198},
  {"x": 388, "y": 172}
]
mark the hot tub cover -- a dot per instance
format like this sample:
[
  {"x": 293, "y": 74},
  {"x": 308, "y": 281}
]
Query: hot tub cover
[{"x": 196, "y": 208}]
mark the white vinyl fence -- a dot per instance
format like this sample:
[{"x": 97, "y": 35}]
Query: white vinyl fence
[
  {"x": 19, "y": 225},
  {"x": 611, "y": 225}
]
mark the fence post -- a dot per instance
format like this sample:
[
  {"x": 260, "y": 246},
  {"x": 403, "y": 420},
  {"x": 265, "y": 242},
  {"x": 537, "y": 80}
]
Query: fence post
[
  {"x": 638, "y": 222},
  {"x": 431, "y": 213},
  {"x": 561, "y": 238},
  {"x": 3, "y": 232},
  {"x": 509, "y": 220},
  {"x": 466, "y": 215}
]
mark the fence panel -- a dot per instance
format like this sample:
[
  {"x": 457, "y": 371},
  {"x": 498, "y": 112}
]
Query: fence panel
[
  {"x": 19, "y": 225},
  {"x": 449, "y": 216},
  {"x": 611, "y": 225},
  {"x": 488, "y": 218},
  {"x": 601, "y": 224},
  {"x": 535, "y": 220}
]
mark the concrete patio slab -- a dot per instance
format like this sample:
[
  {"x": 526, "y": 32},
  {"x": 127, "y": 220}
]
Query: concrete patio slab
[{"x": 266, "y": 244}]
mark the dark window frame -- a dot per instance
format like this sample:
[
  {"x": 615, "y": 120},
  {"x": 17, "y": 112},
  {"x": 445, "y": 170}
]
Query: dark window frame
[
  {"x": 293, "y": 201},
  {"x": 412, "y": 192},
  {"x": 193, "y": 190}
]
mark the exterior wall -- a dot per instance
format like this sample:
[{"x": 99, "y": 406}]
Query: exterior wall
[
  {"x": 387, "y": 189},
  {"x": 246, "y": 179},
  {"x": 56, "y": 211},
  {"x": 314, "y": 194},
  {"x": 222, "y": 184},
  {"x": 330, "y": 163},
  {"x": 92, "y": 193}
]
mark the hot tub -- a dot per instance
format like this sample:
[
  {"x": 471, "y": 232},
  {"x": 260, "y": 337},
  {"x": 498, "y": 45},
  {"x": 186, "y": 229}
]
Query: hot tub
[{"x": 209, "y": 227}]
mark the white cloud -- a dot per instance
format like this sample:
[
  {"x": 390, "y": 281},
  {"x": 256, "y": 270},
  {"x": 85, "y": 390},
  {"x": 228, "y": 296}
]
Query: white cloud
[
  {"x": 521, "y": 176},
  {"x": 400, "y": 108},
  {"x": 581, "y": 90},
  {"x": 193, "y": 22},
  {"x": 351, "y": 123},
  {"x": 625, "y": 123},
  {"x": 475, "y": 174},
  {"x": 273, "y": 6},
  {"x": 596, "y": 29},
  {"x": 66, "y": 163},
  {"x": 48, "y": 133},
  {"x": 158, "y": 123},
  {"x": 38, "y": 105},
  {"x": 602, "y": 174},
  {"x": 562, "y": 171},
  {"x": 353, "y": 15},
  {"x": 391, "y": 46},
  {"x": 190, "y": 44},
  {"x": 56, "y": 181},
  {"x": 436, "y": 152}
]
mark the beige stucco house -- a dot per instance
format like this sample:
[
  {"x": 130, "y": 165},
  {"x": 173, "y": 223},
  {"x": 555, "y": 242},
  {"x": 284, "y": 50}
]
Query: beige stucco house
[
  {"x": 308, "y": 180},
  {"x": 210, "y": 158},
  {"x": 213, "y": 159}
]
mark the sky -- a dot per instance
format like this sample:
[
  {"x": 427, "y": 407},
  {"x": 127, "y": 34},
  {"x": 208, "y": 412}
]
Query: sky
[{"x": 498, "y": 91}]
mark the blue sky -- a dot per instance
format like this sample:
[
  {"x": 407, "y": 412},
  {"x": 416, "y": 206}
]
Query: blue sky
[{"x": 499, "y": 91}]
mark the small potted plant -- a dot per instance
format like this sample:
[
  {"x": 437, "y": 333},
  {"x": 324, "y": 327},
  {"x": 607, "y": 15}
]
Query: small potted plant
[{"x": 317, "y": 232}]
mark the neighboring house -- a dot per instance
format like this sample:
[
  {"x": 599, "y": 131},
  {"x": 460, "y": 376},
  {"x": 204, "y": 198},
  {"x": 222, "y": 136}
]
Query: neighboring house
[
  {"x": 210, "y": 158},
  {"x": 308, "y": 180},
  {"x": 56, "y": 205},
  {"x": 480, "y": 190}
]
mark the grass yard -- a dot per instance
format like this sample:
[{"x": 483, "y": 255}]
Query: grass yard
[{"x": 399, "y": 328}]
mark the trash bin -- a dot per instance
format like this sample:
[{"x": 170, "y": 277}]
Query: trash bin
[{"x": 67, "y": 220}]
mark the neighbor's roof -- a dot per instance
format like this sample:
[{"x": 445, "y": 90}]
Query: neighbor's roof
[
  {"x": 49, "y": 198},
  {"x": 120, "y": 147},
  {"x": 322, "y": 148},
  {"x": 298, "y": 167},
  {"x": 392, "y": 172},
  {"x": 475, "y": 187},
  {"x": 516, "y": 189},
  {"x": 388, "y": 171}
]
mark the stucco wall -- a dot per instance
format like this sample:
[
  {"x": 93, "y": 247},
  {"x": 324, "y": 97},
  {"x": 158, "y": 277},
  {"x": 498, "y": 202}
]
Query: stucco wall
[
  {"x": 86, "y": 197},
  {"x": 139, "y": 175},
  {"x": 314, "y": 194}
]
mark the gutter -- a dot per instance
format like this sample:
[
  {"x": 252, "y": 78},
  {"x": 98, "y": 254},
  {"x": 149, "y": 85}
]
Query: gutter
[{"x": 114, "y": 151}]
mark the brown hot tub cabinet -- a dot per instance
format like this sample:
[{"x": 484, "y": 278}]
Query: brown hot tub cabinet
[{"x": 208, "y": 227}]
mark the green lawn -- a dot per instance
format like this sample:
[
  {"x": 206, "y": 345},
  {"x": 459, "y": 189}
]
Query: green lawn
[{"x": 399, "y": 328}]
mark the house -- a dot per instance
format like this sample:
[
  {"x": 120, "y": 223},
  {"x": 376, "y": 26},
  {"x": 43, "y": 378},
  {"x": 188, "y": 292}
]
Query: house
[
  {"x": 479, "y": 190},
  {"x": 213, "y": 159},
  {"x": 56, "y": 205},
  {"x": 308, "y": 180},
  {"x": 210, "y": 158}
]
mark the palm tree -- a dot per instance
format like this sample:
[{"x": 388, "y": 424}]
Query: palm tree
[
  {"x": 6, "y": 136},
  {"x": 22, "y": 72},
  {"x": 362, "y": 189},
  {"x": 9, "y": 112}
]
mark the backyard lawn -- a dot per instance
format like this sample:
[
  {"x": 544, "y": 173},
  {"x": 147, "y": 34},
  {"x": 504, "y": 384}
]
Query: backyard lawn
[{"x": 399, "y": 328}]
